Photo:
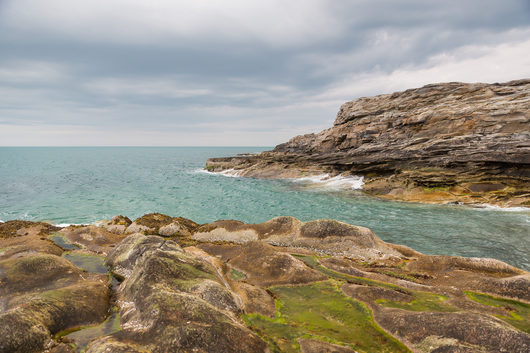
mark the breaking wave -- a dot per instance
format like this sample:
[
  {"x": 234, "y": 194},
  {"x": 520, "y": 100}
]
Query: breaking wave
[{"x": 334, "y": 183}]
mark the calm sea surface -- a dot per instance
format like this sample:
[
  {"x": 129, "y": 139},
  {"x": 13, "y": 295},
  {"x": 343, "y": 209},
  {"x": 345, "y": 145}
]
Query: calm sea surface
[{"x": 83, "y": 185}]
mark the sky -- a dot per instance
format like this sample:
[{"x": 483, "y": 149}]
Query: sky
[{"x": 231, "y": 72}]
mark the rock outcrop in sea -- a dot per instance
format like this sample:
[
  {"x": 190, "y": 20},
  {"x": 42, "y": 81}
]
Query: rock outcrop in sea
[
  {"x": 168, "y": 284},
  {"x": 447, "y": 142}
]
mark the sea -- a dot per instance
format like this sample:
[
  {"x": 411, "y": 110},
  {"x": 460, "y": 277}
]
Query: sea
[{"x": 81, "y": 185}]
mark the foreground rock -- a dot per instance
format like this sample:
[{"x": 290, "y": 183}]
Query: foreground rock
[
  {"x": 42, "y": 293},
  {"x": 227, "y": 286},
  {"x": 450, "y": 142},
  {"x": 171, "y": 301}
]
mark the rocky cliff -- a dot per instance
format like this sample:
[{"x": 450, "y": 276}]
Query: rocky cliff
[
  {"x": 442, "y": 142},
  {"x": 167, "y": 284}
]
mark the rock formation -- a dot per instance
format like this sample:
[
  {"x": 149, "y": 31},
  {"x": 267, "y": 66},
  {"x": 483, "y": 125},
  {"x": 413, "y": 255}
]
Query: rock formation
[
  {"x": 278, "y": 286},
  {"x": 443, "y": 142}
]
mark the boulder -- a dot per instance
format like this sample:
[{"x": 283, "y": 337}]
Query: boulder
[
  {"x": 160, "y": 224},
  {"x": 118, "y": 224}
]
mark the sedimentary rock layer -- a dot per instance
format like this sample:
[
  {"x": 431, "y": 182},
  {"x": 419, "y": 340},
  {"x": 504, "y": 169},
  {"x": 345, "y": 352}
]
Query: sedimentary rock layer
[{"x": 441, "y": 142}]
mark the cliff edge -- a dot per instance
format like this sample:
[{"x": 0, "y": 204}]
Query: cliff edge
[{"x": 447, "y": 142}]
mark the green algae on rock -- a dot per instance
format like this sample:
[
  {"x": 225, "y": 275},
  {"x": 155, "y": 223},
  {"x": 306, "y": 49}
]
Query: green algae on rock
[
  {"x": 87, "y": 262},
  {"x": 421, "y": 301},
  {"x": 60, "y": 240},
  {"x": 81, "y": 336},
  {"x": 275, "y": 293},
  {"x": 517, "y": 313},
  {"x": 321, "y": 311}
]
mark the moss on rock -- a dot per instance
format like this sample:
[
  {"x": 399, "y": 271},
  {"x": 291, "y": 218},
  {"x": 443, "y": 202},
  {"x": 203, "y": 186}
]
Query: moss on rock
[{"x": 321, "y": 311}]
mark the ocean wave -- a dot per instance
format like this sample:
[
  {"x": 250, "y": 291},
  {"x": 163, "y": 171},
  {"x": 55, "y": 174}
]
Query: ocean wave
[
  {"x": 64, "y": 225},
  {"x": 335, "y": 183},
  {"x": 488, "y": 207},
  {"x": 60, "y": 225},
  {"x": 232, "y": 173}
]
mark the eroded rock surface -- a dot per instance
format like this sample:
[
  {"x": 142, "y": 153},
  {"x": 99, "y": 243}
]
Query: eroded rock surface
[
  {"x": 42, "y": 293},
  {"x": 448, "y": 142},
  {"x": 157, "y": 223},
  {"x": 278, "y": 286},
  {"x": 327, "y": 236},
  {"x": 171, "y": 301}
]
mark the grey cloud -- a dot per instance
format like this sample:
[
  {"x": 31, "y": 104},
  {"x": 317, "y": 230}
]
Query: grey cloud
[{"x": 259, "y": 66}]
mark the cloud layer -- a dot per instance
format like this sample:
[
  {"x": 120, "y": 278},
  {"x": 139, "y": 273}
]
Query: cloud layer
[{"x": 125, "y": 72}]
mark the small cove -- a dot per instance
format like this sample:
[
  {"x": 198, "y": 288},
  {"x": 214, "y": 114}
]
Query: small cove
[{"x": 87, "y": 184}]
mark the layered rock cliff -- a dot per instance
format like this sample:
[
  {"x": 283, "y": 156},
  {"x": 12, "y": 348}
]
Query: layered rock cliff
[
  {"x": 441, "y": 142},
  {"x": 167, "y": 284}
]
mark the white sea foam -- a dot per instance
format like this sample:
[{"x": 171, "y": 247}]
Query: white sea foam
[
  {"x": 335, "y": 183},
  {"x": 232, "y": 173},
  {"x": 64, "y": 225},
  {"x": 485, "y": 206}
]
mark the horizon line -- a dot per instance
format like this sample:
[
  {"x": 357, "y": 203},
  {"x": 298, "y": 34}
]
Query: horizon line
[{"x": 27, "y": 146}]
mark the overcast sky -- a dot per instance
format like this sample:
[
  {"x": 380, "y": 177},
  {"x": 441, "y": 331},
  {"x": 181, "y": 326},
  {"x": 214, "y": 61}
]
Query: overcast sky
[{"x": 254, "y": 73}]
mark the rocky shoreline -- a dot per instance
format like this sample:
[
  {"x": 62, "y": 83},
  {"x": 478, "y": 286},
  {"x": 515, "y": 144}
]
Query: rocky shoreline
[
  {"x": 168, "y": 284},
  {"x": 449, "y": 142}
]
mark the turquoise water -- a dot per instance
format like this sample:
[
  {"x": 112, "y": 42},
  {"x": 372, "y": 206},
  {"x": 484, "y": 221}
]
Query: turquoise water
[{"x": 83, "y": 185}]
